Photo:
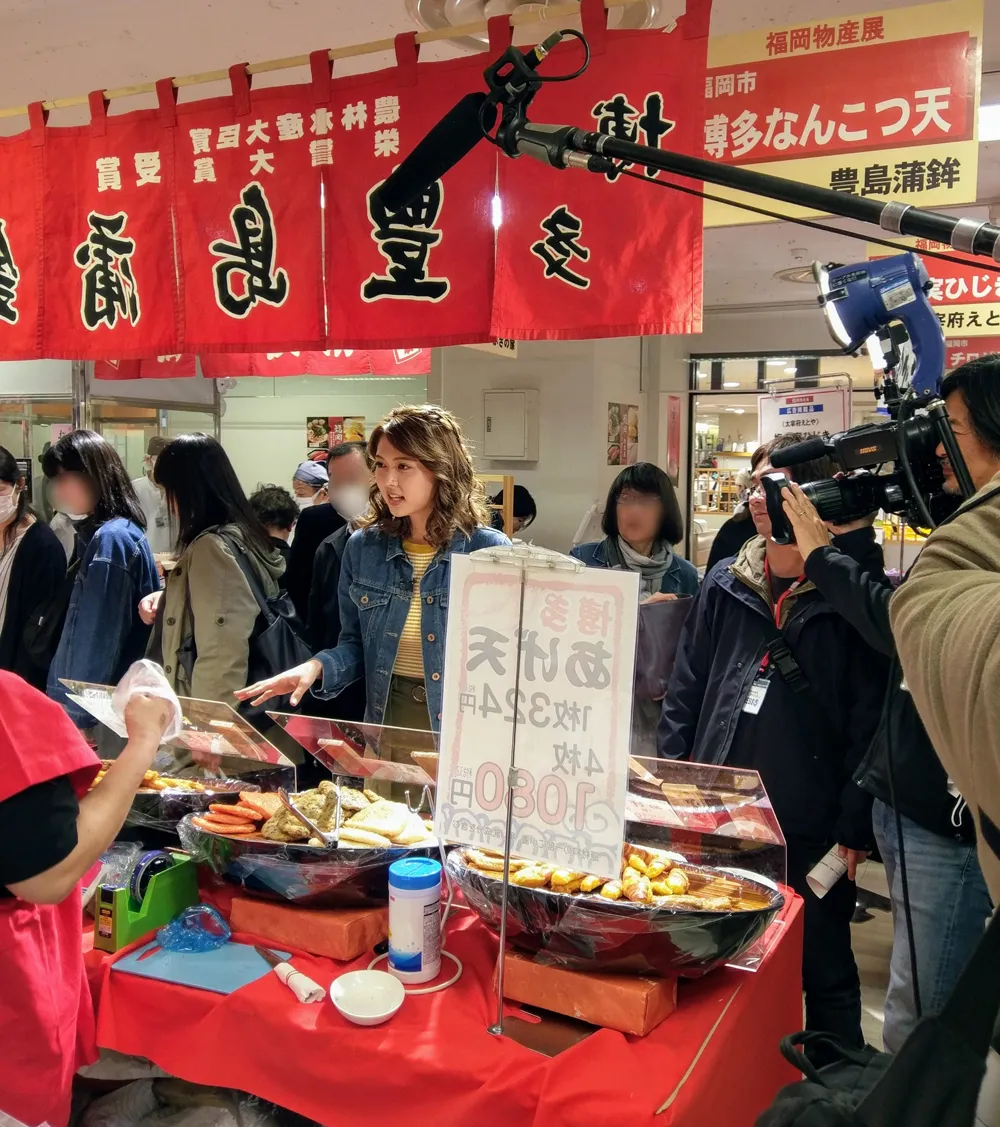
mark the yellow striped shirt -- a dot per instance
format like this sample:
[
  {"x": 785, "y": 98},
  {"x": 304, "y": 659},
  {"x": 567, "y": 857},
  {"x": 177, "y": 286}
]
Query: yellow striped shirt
[{"x": 410, "y": 655}]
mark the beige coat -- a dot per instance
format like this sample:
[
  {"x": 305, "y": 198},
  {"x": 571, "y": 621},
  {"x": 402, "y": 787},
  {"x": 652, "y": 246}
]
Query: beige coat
[
  {"x": 208, "y": 600},
  {"x": 946, "y": 622}
]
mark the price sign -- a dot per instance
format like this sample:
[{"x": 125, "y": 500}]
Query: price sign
[
  {"x": 816, "y": 411},
  {"x": 565, "y": 708}
]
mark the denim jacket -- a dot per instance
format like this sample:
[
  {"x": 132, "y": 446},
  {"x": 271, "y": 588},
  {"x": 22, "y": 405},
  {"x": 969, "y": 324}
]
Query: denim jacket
[
  {"x": 376, "y": 585},
  {"x": 103, "y": 633},
  {"x": 680, "y": 578}
]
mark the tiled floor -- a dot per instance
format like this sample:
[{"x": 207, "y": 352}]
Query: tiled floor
[{"x": 872, "y": 946}]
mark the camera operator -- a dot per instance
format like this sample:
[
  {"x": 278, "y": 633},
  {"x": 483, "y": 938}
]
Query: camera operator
[
  {"x": 769, "y": 677},
  {"x": 946, "y": 617},
  {"x": 946, "y": 891}
]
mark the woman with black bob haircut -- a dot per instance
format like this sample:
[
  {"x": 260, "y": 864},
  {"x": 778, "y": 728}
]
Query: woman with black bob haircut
[
  {"x": 32, "y": 569},
  {"x": 642, "y": 521},
  {"x": 112, "y": 567},
  {"x": 207, "y": 612}
]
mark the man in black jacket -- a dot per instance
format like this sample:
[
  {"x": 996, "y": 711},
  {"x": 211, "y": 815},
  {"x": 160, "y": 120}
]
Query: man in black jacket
[
  {"x": 350, "y": 486},
  {"x": 949, "y": 901},
  {"x": 769, "y": 677}
]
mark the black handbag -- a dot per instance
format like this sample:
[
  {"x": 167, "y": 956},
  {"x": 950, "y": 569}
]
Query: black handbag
[
  {"x": 44, "y": 627},
  {"x": 933, "y": 1081},
  {"x": 276, "y": 644}
]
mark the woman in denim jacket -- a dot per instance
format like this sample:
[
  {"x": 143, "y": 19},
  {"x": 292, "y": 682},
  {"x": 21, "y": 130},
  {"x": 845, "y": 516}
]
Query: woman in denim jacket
[
  {"x": 425, "y": 505},
  {"x": 114, "y": 566}
]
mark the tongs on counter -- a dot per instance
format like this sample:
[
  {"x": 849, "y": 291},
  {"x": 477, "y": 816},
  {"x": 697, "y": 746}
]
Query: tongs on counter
[{"x": 332, "y": 840}]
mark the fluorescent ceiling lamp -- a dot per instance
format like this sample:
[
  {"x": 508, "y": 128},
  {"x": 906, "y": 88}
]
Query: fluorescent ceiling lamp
[
  {"x": 775, "y": 363},
  {"x": 731, "y": 383},
  {"x": 989, "y": 123},
  {"x": 703, "y": 375},
  {"x": 790, "y": 371}
]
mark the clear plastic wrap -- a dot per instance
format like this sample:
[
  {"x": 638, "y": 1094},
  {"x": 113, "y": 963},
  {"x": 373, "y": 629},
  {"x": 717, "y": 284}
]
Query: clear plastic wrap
[
  {"x": 616, "y": 936},
  {"x": 145, "y": 676},
  {"x": 162, "y": 810},
  {"x": 306, "y": 875}
]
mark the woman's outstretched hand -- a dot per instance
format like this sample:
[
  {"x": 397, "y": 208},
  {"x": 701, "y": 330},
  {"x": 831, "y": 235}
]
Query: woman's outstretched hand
[{"x": 295, "y": 683}]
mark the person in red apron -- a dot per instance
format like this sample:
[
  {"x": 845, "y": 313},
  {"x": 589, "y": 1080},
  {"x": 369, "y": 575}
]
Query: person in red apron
[{"x": 52, "y": 830}]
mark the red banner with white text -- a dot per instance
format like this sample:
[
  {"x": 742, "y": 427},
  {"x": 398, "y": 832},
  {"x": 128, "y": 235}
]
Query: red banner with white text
[
  {"x": 20, "y": 249},
  {"x": 247, "y": 224},
  {"x": 585, "y": 255},
  {"x": 425, "y": 272},
  {"x": 249, "y": 173},
  {"x": 399, "y": 362},
  {"x": 110, "y": 288}
]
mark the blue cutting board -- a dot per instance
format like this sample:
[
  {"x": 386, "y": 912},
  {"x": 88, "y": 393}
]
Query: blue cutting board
[{"x": 221, "y": 971}]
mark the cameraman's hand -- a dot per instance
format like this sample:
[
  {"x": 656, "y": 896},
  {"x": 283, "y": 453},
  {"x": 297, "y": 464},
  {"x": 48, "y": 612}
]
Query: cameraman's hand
[{"x": 809, "y": 529}]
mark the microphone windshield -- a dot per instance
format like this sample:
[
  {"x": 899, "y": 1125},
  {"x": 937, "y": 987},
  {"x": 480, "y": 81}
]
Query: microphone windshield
[
  {"x": 805, "y": 451},
  {"x": 453, "y": 138}
]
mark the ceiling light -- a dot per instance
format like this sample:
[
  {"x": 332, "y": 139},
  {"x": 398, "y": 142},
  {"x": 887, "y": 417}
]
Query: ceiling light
[
  {"x": 775, "y": 363},
  {"x": 989, "y": 123},
  {"x": 731, "y": 383},
  {"x": 790, "y": 371},
  {"x": 703, "y": 375}
]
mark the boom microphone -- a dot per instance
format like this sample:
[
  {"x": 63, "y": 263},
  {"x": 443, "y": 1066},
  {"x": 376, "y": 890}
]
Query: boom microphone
[
  {"x": 460, "y": 130},
  {"x": 454, "y": 137},
  {"x": 805, "y": 451}
]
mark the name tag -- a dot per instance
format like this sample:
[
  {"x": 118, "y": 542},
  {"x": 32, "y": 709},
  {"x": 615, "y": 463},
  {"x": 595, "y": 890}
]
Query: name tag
[{"x": 755, "y": 698}]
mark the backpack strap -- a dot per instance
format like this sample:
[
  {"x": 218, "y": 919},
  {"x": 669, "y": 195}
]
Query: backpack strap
[
  {"x": 792, "y": 1050},
  {"x": 249, "y": 574}
]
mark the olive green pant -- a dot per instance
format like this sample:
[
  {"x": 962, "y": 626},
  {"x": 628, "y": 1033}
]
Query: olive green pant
[{"x": 406, "y": 707}]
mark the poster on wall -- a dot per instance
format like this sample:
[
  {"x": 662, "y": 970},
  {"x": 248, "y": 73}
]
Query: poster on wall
[
  {"x": 966, "y": 299},
  {"x": 323, "y": 432},
  {"x": 963, "y": 350},
  {"x": 623, "y": 434},
  {"x": 674, "y": 438},
  {"x": 879, "y": 105},
  {"x": 815, "y": 411}
]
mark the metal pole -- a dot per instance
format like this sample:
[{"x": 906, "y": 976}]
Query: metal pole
[
  {"x": 497, "y": 1028},
  {"x": 566, "y": 146},
  {"x": 78, "y": 392}
]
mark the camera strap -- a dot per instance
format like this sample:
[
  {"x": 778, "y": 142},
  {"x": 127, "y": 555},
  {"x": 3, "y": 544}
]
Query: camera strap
[{"x": 778, "y": 652}]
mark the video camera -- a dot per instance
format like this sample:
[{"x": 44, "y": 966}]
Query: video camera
[{"x": 882, "y": 304}]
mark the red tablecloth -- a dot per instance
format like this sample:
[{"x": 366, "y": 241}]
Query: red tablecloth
[{"x": 714, "y": 1061}]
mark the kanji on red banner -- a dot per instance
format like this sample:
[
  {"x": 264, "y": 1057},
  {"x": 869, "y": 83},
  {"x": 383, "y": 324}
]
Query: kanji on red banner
[
  {"x": 20, "y": 249},
  {"x": 109, "y": 281},
  {"x": 583, "y": 255},
  {"x": 425, "y": 272},
  {"x": 333, "y": 362},
  {"x": 249, "y": 177},
  {"x": 963, "y": 350},
  {"x": 886, "y": 96}
]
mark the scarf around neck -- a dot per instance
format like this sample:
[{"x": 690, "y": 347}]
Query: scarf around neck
[{"x": 621, "y": 556}]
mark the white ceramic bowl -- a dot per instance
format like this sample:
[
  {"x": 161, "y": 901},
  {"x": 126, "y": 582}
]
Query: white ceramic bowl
[{"x": 367, "y": 997}]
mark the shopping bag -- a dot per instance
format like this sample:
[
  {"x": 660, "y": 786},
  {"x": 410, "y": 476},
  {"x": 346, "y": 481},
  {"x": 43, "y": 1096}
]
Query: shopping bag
[{"x": 659, "y": 631}]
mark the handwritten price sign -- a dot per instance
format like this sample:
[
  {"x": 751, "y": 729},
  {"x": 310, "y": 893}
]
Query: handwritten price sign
[{"x": 568, "y": 714}]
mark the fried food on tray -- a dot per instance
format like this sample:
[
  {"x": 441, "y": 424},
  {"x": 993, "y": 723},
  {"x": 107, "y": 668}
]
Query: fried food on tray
[
  {"x": 364, "y": 824},
  {"x": 648, "y": 876},
  {"x": 154, "y": 781}
]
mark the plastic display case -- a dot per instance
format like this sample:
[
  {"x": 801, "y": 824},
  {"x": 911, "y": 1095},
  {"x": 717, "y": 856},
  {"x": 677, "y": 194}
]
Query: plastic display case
[
  {"x": 377, "y": 759},
  {"x": 714, "y": 825}
]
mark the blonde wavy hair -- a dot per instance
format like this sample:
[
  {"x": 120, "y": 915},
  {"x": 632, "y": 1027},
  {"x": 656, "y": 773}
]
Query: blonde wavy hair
[{"x": 432, "y": 436}]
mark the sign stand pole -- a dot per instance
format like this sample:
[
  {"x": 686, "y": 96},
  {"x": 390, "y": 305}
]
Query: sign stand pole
[{"x": 497, "y": 1027}]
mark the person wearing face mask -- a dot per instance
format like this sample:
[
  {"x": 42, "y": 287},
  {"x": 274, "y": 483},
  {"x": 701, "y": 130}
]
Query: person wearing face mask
[
  {"x": 159, "y": 533},
  {"x": 113, "y": 567},
  {"x": 394, "y": 577},
  {"x": 769, "y": 677},
  {"x": 32, "y": 569},
  {"x": 309, "y": 484},
  {"x": 317, "y": 520},
  {"x": 350, "y": 489}
]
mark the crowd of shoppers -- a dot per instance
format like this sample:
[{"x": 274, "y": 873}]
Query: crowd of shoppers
[{"x": 786, "y": 664}]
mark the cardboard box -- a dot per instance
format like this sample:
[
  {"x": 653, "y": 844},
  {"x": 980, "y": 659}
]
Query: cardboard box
[
  {"x": 336, "y": 933},
  {"x": 627, "y": 1003}
]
